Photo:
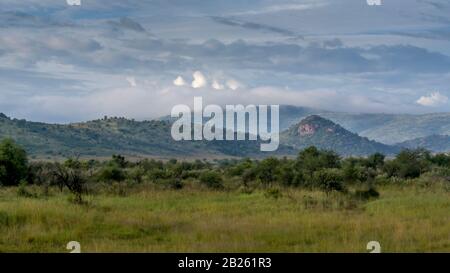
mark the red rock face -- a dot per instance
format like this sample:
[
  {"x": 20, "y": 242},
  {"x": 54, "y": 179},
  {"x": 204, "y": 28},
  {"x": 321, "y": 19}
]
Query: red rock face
[{"x": 306, "y": 129}]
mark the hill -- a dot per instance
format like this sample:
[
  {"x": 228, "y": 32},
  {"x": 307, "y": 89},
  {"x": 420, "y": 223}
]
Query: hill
[
  {"x": 323, "y": 133},
  {"x": 434, "y": 143},
  {"x": 384, "y": 128},
  {"x": 104, "y": 137}
]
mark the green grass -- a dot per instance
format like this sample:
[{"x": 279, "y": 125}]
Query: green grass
[{"x": 402, "y": 220}]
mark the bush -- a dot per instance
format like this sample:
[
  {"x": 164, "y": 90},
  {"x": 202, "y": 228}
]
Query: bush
[
  {"x": 72, "y": 179},
  {"x": 110, "y": 173},
  {"x": 442, "y": 160},
  {"x": 176, "y": 184},
  {"x": 13, "y": 163},
  {"x": 239, "y": 168},
  {"x": 311, "y": 159},
  {"x": 409, "y": 164},
  {"x": 329, "y": 180},
  {"x": 22, "y": 190},
  {"x": 212, "y": 179},
  {"x": 136, "y": 174},
  {"x": 249, "y": 175},
  {"x": 287, "y": 175},
  {"x": 375, "y": 161},
  {"x": 267, "y": 170}
]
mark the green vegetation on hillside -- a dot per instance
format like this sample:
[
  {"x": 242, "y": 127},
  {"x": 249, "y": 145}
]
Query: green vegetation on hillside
[
  {"x": 385, "y": 128},
  {"x": 434, "y": 143},
  {"x": 317, "y": 131},
  {"x": 108, "y": 136}
]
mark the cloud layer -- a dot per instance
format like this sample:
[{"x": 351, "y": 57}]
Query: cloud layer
[{"x": 139, "y": 58}]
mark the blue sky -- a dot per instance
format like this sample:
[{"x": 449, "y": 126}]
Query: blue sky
[{"x": 135, "y": 58}]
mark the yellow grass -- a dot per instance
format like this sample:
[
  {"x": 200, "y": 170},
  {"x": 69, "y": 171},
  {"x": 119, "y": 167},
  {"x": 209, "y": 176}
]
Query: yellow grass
[{"x": 402, "y": 220}]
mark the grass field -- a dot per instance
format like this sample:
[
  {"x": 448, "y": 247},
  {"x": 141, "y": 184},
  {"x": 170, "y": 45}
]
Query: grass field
[{"x": 148, "y": 220}]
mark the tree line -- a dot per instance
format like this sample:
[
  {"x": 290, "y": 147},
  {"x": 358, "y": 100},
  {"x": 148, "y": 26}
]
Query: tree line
[{"x": 312, "y": 169}]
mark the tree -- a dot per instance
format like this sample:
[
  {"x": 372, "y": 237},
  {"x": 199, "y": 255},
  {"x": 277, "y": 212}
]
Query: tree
[
  {"x": 212, "y": 179},
  {"x": 287, "y": 175},
  {"x": 72, "y": 179},
  {"x": 111, "y": 172},
  {"x": 442, "y": 160},
  {"x": 409, "y": 163},
  {"x": 375, "y": 160},
  {"x": 119, "y": 160},
  {"x": 13, "y": 163},
  {"x": 268, "y": 170},
  {"x": 311, "y": 160},
  {"x": 329, "y": 180}
]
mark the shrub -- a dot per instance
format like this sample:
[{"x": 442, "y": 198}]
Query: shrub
[
  {"x": 311, "y": 159},
  {"x": 240, "y": 168},
  {"x": 212, "y": 179},
  {"x": 13, "y": 163},
  {"x": 442, "y": 160},
  {"x": 249, "y": 175},
  {"x": 111, "y": 172},
  {"x": 329, "y": 180},
  {"x": 136, "y": 174},
  {"x": 22, "y": 190},
  {"x": 375, "y": 161},
  {"x": 409, "y": 164},
  {"x": 119, "y": 160},
  {"x": 287, "y": 175},
  {"x": 267, "y": 170},
  {"x": 72, "y": 179},
  {"x": 176, "y": 184}
]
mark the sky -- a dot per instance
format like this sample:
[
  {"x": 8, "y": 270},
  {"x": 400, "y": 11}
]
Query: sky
[{"x": 136, "y": 58}]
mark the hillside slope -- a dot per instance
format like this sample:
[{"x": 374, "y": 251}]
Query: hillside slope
[
  {"x": 384, "y": 128},
  {"x": 434, "y": 143},
  {"x": 105, "y": 137},
  {"x": 323, "y": 133}
]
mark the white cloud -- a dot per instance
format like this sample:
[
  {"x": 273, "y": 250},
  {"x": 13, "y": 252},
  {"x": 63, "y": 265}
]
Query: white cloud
[
  {"x": 199, "y": 80},
  {"x": 131, "y": 81},
  {"x": 432, "y": 100},
  {"x": 179, "y": 81},
  {"x": 282, "y": 8},
  {"x": 74, "y": 2},
  {"x": 233, "y": 84},
  {"x": 216, "y": 85}
]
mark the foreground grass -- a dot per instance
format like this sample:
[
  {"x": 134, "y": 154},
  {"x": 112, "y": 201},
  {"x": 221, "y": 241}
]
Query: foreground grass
[{"x": 402, "y": 220}]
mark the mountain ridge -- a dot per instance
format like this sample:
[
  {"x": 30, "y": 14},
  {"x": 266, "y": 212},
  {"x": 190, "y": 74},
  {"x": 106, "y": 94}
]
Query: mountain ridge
[
  {"x": 434, "y": 143},
  {"x": 103, "y": 137}
]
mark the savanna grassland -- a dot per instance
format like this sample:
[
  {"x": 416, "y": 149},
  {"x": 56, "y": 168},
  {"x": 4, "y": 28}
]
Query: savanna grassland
[
  {"x": 317, "y": 202},
  {"x": 403, "y": 219}
]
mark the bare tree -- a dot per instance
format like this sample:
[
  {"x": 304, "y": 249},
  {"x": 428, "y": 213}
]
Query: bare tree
[{"x": 72, "y": 179}]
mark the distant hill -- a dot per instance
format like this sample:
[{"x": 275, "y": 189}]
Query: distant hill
[
  {"x": 434, "y": 143},
  {"x": 323, "y": 133},
  {"x": 384, "y": 128},
  {"x": 391, "y": 129},
  {"x": 105, "y": 137}
]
